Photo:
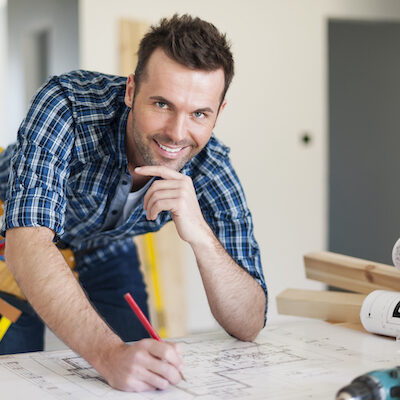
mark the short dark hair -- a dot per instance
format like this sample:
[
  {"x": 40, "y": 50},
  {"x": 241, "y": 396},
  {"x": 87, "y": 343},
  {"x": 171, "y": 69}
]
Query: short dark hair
[{"x": 190, "y": 41}]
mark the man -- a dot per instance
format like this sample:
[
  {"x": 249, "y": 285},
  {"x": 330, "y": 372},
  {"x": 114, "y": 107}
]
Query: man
[{"x": 100, "y": 159}]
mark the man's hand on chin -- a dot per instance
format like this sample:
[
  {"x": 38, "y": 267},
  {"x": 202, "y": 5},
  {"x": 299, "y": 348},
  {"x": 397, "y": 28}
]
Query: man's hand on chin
[{"x": 175, "y": 193}]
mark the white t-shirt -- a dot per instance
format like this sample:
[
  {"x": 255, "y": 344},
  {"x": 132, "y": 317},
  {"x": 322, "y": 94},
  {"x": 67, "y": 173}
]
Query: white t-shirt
[{"x": 132, "y": 201}]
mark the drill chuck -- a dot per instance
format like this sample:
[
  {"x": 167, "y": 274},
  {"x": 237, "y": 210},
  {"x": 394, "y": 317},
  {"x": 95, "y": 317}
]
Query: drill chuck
[{"x": 375, "y": 385}]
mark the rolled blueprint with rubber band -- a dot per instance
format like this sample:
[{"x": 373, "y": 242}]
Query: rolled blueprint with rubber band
[{"x": 380, "y": 313}]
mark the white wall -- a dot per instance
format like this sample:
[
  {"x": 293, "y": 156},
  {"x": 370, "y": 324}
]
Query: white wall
[
  {"x": 26, "y": 17},
  {"x": 280, "y": 91}
]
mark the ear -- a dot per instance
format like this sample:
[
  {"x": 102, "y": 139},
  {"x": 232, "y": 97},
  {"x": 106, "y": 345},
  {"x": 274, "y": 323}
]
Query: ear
[
  {"x": 221, "y": 108},
  {"x": 130, "y": 90}
]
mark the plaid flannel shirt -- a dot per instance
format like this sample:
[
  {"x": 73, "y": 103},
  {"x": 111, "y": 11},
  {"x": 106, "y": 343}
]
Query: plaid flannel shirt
[{"x": 69, "y": 163}]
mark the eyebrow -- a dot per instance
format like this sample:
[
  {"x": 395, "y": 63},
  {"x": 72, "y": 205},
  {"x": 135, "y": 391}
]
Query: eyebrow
[{"x": 164, "y": 100}]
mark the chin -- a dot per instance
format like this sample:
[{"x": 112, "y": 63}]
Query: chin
[{"x": 176, "y": 165}]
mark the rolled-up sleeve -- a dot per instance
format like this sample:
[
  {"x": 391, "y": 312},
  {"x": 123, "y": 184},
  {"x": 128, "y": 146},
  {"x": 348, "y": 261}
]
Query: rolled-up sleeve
[{"x": 40, "y": 165}]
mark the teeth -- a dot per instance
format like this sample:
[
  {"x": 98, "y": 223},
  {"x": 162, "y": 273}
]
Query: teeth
[{"x": 169, "y": 149}]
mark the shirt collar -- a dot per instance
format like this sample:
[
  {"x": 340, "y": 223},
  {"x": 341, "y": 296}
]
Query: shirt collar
[{"x": 122, "y": 160}]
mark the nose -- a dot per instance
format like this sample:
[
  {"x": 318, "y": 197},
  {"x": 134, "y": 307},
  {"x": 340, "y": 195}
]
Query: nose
[{"x": 176, "y": 129}]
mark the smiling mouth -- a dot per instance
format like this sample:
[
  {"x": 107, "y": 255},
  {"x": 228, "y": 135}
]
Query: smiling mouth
[{"x": 171, "y": 150}]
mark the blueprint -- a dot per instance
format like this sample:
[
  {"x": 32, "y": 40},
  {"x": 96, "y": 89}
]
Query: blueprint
[{"x": 301, "y": 359}]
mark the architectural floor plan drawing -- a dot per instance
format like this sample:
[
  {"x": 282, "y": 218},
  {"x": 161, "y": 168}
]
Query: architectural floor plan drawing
[{"x": 294, "y": 359}]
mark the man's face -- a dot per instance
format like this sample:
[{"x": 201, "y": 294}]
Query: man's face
[{"x": 174, "y": 112}]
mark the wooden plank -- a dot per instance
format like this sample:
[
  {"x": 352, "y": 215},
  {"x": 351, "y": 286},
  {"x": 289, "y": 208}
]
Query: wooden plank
[
  {"x": 171, "y": 256},
  {"x": 169, "y": 247},
  {"x": 350, "y": 273},
  {"x": 327, "y": 305},
  {"x": 352, "y": 325},
  {"x": 170, "y": 259},
  {"x": 131, "y": 33},
  {"x": 9, "y": 311},
  {"x": 7, "y": 282}
]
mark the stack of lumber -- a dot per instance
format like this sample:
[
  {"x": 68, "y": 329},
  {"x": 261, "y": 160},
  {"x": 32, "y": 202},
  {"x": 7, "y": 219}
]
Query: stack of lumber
[{"x": 344, "y": 272}]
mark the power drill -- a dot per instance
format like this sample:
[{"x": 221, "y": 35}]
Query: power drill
[{"x": 383, "y": 384}]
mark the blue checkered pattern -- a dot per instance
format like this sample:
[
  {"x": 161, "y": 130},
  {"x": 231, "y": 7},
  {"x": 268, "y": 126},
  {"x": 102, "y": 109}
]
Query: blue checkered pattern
[{"x": 70, "y": 159}]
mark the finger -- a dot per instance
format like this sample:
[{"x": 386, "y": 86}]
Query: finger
[
  {"x": 135, "y": 377},
  {"x": 159, "y": 377},
  {"x": 147, "y": 368},
  {"x": 138, "y": 386},
  {"x": 151, "y": 375},
  {"x": 159, "y": 195},
  {"x": 167, "y": 204},
  {"x": 160, "y": 185},
  {"x": 166, "y": 363},
  {"x": 159, "y": 170},
  {"x": 178, "y": 348},
  {"x": 162, "y": 374},
  {"x": 167, "y": 352}
]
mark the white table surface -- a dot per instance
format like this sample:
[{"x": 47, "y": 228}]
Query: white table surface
[{"x": 292, "y": 358}]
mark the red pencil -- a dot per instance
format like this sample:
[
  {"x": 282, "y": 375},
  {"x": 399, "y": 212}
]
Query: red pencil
[{"x": 145, "y": 322}]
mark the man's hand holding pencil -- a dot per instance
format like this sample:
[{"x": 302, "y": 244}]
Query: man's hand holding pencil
[{"x": 147, "y": 364}]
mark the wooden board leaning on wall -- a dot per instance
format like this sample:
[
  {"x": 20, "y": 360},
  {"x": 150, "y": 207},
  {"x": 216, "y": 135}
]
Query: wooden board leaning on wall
[{"x": 165, "y": 284}]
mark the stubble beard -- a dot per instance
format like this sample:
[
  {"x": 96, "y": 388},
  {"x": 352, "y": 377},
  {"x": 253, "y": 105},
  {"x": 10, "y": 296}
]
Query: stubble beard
[{"x": 144, "y": 155}]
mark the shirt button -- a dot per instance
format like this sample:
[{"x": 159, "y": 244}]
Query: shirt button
[{"x": 114, "y": 212}]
